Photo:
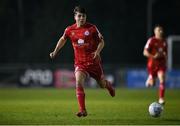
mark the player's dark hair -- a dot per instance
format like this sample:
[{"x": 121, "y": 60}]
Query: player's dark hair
[
  {"x": 79, "y": 9},
  {"x": 158, "y": 25}
]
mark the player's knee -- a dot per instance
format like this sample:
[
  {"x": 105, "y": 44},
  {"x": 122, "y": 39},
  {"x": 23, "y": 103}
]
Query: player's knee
[
  {"x": 150, "y": 81},
  {"x": 161, "y": 81}
]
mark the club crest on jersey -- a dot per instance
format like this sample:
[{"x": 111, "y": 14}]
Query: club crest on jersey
[
  {"x": 80, "y": 42},
  {"x": 86, "y": 33}
]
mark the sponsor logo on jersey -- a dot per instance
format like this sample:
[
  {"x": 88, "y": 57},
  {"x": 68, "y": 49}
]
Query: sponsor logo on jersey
[{"x": 80, "y": 42}]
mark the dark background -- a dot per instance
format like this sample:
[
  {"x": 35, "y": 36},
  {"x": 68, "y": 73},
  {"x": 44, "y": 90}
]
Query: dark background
[{"x": 30, "y": 29}]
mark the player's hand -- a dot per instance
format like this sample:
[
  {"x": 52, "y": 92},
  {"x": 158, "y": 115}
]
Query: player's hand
[
  {"x": 100, "y": 36},
  {"x": 158, "y": 55},
  {"x": 52, "y": 55},
  {"x": 96, "y": 55},
  {"x": 165, "y": 55}
]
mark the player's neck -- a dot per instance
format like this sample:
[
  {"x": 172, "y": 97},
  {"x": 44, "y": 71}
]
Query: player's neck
[
  {"x": 159, "y": 37},
  {"x": 80, "y": 25}
]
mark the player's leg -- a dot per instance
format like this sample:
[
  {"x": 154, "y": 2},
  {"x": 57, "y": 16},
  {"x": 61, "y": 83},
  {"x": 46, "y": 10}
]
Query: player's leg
[
  {"x": 80, "y": 94},
  {"x": 161, "y": 77},
  {"x": 150, "y": 82},
  {"x": 106, "y": 84},
  {"x": 96, "y": 72}
]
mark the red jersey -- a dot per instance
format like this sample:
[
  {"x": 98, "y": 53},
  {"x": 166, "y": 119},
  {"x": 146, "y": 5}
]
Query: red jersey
[
  {"x": 85, "y": 40},
  {"x": 154, "y": 46}
]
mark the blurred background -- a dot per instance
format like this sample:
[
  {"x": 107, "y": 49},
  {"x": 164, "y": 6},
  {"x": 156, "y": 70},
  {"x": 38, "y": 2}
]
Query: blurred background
[{"x": 29, "y": 31}]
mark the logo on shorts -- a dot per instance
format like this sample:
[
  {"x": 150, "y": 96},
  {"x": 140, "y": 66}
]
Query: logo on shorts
[{"x": 86, "y": 33}]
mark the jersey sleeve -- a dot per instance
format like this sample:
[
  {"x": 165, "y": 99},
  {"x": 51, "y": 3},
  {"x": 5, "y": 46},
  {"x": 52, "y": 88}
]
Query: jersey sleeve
[
  {"x": 97, "y": 35},
  {"x": 148, "y": 45},
  {"x": 66, "y": 33}
]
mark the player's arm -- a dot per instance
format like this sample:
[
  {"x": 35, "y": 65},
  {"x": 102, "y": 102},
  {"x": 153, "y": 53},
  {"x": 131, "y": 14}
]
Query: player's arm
[
  {"x": 146, "y": 53},
  {"x": 59, "y": 45},
  {"x": 100, "y": 45},
  {"x": 149, "y": 46},
  {"x": 99, "y": 48}
]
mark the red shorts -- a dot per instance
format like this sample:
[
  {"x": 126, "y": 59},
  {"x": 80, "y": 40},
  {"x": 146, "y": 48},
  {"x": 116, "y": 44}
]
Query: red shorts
[
  {"x": 154, "y": 70},
  {"x": 93, "y": 70}
]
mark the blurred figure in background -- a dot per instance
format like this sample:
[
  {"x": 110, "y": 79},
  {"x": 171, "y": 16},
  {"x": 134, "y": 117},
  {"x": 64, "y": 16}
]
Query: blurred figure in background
[
  {"x": 156, "y": 52},
  {"x": 87, "y": 42}
]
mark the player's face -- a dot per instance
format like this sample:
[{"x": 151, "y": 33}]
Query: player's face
[
  {"x": 158, "y": 31},
  {"x": 80, "y": 18}
]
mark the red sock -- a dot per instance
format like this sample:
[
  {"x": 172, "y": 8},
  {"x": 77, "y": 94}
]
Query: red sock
[
  {"x": 161, "y": 90},
  {"x": 81, "y": 98}
]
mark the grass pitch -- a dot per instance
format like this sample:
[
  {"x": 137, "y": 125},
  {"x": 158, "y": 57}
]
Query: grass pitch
[{"x": 58, "y": 107}]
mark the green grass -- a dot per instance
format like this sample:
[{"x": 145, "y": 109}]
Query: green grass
[{"x": 58, "y": 106}]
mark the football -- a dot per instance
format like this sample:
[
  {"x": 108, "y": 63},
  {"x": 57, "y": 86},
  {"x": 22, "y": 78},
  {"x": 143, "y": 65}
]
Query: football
[{"x": 155, "y": 109}]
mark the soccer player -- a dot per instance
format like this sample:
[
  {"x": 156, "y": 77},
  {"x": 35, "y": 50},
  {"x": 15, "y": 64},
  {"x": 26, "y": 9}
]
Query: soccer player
[
  {"x": 156, "y": 52},
  {"x": 87, "y": 43}
]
